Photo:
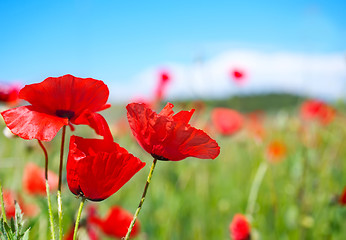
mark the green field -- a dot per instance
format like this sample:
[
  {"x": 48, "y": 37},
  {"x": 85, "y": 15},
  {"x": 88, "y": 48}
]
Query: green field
[{"x": 196, "y": 199}]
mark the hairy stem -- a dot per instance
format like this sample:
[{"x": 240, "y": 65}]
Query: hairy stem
[
  {"x": 78, "y": 218},
  {"x": 52, "y": 230},
  {"x": 60, "y": 179},
  {"x": 142, "y": 200}
]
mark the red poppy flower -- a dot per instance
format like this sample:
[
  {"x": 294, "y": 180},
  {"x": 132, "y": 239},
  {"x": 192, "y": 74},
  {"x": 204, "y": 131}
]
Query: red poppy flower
[
  {"x": 238, "y": 76},
  {"x": 240, "y": 228},
  {"x": 9, "y": 94},
  {"x": 164, "y": 78},
  {"x": 55, "y": 102},
  {"x": 342, "y": 198},
  {"x": 29, "y": 210},
  {"x": 34, "y": 181},
  {"x": 116, "y": 223},
  {"x": 97, "y": 168},
  {"x": 168, "y": 136},
  {"x": 276, "y": 151},
  {"x": 227, "y": 121},
  {"x": 89, "y": 231},
  {"x": 317, "y": 110}
]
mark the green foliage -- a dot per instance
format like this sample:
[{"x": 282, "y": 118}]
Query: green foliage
[{"x": 14, "y": 230}]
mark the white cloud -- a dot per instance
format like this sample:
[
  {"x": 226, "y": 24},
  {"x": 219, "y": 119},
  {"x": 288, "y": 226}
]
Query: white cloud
[{"x": 321, "y": 76}]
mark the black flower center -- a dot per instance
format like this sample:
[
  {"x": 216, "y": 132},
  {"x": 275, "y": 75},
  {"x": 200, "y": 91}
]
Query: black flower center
[
  {"x": 64, "y": 114},
  {"x": 159, "y": 157}
]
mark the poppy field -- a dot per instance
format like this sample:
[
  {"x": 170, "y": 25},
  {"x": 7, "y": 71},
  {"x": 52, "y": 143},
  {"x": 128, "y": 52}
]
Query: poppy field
[{"x": 78, "y": 167}]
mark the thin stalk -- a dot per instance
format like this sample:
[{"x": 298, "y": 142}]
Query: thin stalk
[
  {"x": 61, "y": 155},
  {"x": 60, "y": 177},
  {"x": 255, "y": 187},
  {"x": 141, "y": 201},
  {"x": 78, "y": 218},
  {"x": 45, "y": 158},
  {"x": 2, "y": 205},
  {"x": 52, "y": 230}
]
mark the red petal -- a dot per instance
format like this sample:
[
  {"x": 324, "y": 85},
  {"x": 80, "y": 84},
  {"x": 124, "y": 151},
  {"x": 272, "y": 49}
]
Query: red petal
[
  {"x": 67, "y": 93},
  {"x": 198, "y": 144},
  {"x": 29, "y": 123},
  {"x": 184, "y": 116},
  {"x": 95, "y": 121},
  {"x": 98, "y": 171},
  {"x": 105, "y": 174},
  {"x": 167, "y": 110}
]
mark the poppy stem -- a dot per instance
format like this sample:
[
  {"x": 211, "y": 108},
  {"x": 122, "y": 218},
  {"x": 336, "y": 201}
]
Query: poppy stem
[
  {"x": 142, "y": 200},
  {"x": 255, "y": 187},
  {"x": 46, "y": 159},
  {"x": 2, "y": 205},
  {"x": 52, "y": 230},
  {"x": 60, "y": 177},
  {"x": 78, "y": 218}
]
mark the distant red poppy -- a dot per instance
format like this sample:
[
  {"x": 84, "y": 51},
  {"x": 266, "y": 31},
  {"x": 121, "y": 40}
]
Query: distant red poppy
[
  {"x": 342, "y": 198},
  {"x": 240, "y": 228},
  {"x": 9, "y": 94},
  {"x": 10, "y": 197},
  {"x": 86, "y": 225},
  {"x": 116, "y": 223},
  {"x": 238, "y": 76},
  {"x": 91, "y": 233},
  {"x": 276, "y": 151},
  {"x": 317, "y": 110},
  {"x": 164, "y": 78},
  {"x": 97, "y": 168},
  {"x": 34, "y": 181},
  {"x": 227, "y": 121},
  {"x": 169, "y": 136},
  {"x": 55, "y": 102}
]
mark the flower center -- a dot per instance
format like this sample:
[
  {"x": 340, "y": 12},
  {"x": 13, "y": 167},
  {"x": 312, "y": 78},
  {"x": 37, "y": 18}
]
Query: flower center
[
  {"x": 65, "y": 114},
  {"x": 159, "y": 157}
]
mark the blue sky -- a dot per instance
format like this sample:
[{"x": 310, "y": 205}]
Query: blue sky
[{"x": 115, "y": 40}]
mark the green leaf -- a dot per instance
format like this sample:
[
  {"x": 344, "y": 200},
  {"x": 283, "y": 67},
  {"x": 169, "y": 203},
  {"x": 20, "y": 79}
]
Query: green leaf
[
  {"x": 26, "y": 234},
  {"x": 18, "y": 220}
]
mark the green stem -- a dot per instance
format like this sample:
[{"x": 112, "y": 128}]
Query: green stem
[
  {"x": 255, "y": 187},
  {"x": 142, "y": 200},
  {"x": 78, "y": 218},
  {"x": 52, "y": 230},
  {"x": 60, "y": 179},
  {"x": 2, "y": 204}
]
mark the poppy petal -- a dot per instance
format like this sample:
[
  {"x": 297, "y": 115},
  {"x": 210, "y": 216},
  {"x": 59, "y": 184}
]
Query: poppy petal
[
  {"x": 29, "y": 123},
  {"x": 97, "y": 170},
  {"x": 167, "y": 110},
  {"x": 67, "y": 93},
  {"x": 105, "y": 174},
  {"x": 184, "y": 116},
  {"x": 95, "y": 121}
]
